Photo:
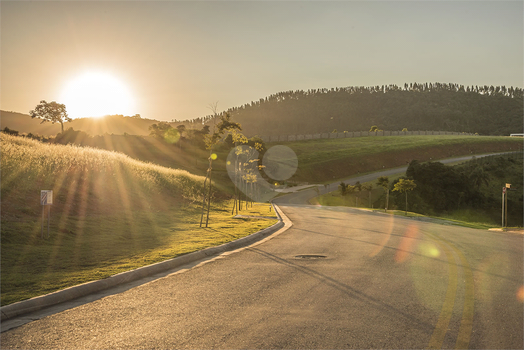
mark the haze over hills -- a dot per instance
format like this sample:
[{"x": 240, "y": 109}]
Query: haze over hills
[{"x": 486, "y": 110}]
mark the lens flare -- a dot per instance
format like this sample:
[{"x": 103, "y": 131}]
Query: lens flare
[
  {"x": 429, "y": 250},
  {"x": 407, "y": 244},
  {"x": 172, "y": 136},
  {"x": 214, "y": 156},
  {"x": 385, "y": 238},
  {"x": 520, "y": 294},
  {"x": 280, "y": 162}
]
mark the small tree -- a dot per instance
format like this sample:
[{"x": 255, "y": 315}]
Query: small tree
[
  {"x": 182, "y": 128},
  {"x": 357, "y": 188},
  {"x": 374, "y": 128},
  {"x": 211, "y": 140},
  {"x": 51, "y": 112},
  {"x": 343, "y": 188},
  {"x": 368, "y": 187},
  {"x": 158, "y": 130},
  {"x": 383, "y": 181},
  {"x": 403, "y": 186}
]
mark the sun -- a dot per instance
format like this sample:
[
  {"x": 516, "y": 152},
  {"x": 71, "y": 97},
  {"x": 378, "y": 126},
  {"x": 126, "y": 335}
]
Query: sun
[{"x": 96, "y": 94}]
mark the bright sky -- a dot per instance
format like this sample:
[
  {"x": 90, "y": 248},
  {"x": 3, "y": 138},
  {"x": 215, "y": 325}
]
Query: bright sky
[{"x": 176, "y": 58}]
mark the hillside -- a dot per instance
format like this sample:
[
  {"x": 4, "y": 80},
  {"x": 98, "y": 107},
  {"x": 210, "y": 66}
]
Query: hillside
[
  {"x": 326, "y": 160},
  {"x": 486, "y": 110},
  {"x": 23, "y": 123},
  {"x": 85, "y": 180},
  {"x": 115, "y": 124},
  {"x": 110, "y": 214}
]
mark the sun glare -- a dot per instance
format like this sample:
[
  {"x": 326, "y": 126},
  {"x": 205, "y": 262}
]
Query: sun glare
[{"x": 95, "y": 94}]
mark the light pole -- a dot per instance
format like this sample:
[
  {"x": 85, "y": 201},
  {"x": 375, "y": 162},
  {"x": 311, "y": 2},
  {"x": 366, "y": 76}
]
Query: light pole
[
  {"x": 503, "y": 198},
  {"x": 505, "y": 205}
]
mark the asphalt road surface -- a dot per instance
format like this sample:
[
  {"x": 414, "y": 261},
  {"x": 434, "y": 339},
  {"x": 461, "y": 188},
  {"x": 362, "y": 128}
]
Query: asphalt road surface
[{"x": 338, "y": 278}]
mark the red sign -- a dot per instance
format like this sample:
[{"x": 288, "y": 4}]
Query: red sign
[{"x": 503, "y": 189}]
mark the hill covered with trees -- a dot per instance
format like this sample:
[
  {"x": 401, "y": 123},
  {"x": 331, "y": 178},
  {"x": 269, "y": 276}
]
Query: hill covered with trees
[{"x": 486, "y": 110}]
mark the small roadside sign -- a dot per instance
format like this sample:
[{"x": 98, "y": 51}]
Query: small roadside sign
[
  {"x": 503, "y": 189},
  {"x": 46, "y": 197}
]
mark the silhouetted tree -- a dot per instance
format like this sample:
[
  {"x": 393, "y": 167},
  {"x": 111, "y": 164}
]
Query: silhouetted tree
[{"x": 51, "y": 112}]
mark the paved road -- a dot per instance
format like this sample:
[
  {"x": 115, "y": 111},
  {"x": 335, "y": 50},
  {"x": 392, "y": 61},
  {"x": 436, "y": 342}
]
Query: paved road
[
  {"x": 371, "y": 281},
  {"x": 384, "y": 283}
]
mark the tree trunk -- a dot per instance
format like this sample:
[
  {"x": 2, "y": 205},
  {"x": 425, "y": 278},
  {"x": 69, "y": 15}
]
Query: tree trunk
[
  {"x": 406, "y": 203},
  {"x": 203, "y": 201},
  {"x": 208, "y": 199}
]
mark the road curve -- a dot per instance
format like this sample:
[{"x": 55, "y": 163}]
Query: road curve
[{"x": 338, "y": 278}]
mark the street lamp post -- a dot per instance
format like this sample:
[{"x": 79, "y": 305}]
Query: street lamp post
[
  {"x": 505, "y": 205},
  {"x": 503, "y": 198}
]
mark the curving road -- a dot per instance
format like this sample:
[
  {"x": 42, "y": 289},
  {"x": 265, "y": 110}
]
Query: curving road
[{"x": 338, "y": 278}]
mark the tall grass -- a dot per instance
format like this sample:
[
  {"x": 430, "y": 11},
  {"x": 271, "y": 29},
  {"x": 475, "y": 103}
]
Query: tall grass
[
  {"x": 55, "y": 165},
  {"x": 110, "y": 214}
]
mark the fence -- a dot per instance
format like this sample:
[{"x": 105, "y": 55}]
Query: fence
[{"x": 350, "y": 134}]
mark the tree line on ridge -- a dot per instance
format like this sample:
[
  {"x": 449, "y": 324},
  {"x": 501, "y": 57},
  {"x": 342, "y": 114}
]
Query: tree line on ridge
[{"x": 486, "y": 110}]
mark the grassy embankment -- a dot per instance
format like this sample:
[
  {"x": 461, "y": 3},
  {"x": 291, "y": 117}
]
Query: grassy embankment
[
  {"x": 329, "y": 160},
  {"x": 110, "y": 214}
]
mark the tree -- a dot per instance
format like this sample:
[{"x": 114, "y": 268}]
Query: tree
[
  {"x": 383, "y": 181},
  {"x": 10, "y": 131},
  {"x": 403, "y": 186},
  {"x": 343, "y": 188},
  {"x": 165, "y": 132},
  {"x": 357, "y": 188},
  {"x": 51, "y": 112},
  {"x": 368, "y": 187},
  {"x": 478, "y": 177},
  {"x": 211, "y": 140},
  {"x": 181, "y": 128},
  {"x": 374, "y": 128}
]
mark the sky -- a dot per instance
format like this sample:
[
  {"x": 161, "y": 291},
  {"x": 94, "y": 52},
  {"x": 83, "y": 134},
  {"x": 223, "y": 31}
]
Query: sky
[{"x": 176, "y": 58}]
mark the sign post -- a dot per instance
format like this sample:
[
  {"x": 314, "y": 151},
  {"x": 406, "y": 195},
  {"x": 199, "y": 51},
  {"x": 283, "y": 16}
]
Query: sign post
[
  {"x": 46, "y": 199},
  {"x": 503, "y": 198}
]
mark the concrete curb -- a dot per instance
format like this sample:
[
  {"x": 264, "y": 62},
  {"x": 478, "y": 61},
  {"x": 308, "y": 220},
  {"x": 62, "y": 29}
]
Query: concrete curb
[{"x": 40, "y": 302}]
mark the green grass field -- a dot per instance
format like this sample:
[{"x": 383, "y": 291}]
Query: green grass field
[
  {"x": 110, "y": 214},
  {"x": 327, "y": 160}
]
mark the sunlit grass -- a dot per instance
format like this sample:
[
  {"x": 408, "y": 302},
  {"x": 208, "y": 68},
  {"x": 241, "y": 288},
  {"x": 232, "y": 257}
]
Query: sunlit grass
[
  {"x": 326, "y": 160},
  {"x": 110, "y": 214},
  {"x": 111, "y": 244}
]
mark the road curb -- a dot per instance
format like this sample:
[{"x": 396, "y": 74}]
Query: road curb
[{"x": 71, "y": 293}]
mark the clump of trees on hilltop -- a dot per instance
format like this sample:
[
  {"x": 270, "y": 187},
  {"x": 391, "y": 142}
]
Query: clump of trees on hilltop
[{"x": 486, "y": 110}]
